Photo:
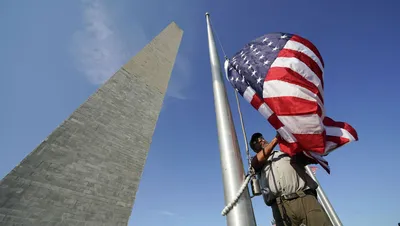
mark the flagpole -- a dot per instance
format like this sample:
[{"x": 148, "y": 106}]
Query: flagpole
[
  {"x": 326, "y": 204},
  {"x": 231, "y": 162}
]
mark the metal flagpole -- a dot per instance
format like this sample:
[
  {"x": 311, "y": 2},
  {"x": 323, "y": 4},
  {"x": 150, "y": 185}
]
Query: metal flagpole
[
  {"x": 325, "y": 201},
  {"x": 231, "y": 161}
]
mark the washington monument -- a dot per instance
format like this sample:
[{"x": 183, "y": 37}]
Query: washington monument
[{"x": 87, "y": 171}]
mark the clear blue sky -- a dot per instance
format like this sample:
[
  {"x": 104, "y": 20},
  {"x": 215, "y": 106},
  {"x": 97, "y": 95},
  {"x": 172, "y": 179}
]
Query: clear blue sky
[{"x": 54, "y": 54}]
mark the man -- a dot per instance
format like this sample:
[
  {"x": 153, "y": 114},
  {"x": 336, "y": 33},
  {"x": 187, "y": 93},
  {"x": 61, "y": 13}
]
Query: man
[{"x": 287, "y": 188}]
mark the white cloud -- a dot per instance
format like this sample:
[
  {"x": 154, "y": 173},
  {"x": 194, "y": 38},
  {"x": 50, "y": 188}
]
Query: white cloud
[
  {"x": 100, "y": 49},
  {"x": 167, "y": 213},
  {"x": 183, "y": 72}
]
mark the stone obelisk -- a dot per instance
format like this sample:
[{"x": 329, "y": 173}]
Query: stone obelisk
[{"x": 88, "y": 170}]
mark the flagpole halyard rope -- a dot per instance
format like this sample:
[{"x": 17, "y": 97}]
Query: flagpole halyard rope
[
  {"x": 251, "y": 174},
  {"x": 230, "y": 206},
  {"x": 219, "y": 41},
  {"x": 243, "y": 131}
]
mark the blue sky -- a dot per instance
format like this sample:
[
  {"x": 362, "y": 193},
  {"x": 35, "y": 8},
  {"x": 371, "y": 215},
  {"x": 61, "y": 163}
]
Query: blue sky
[{"x": 54, "y": 54}]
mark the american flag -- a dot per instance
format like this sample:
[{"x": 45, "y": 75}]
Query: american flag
[{"x": 281, "y": 76}]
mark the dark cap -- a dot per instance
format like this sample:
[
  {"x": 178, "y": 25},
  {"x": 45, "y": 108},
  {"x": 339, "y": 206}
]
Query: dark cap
[{"x": 253, "y": 141}]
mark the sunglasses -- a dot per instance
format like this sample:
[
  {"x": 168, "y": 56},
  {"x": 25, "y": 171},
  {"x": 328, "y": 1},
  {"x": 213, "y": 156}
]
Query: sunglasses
[{"x": 259, "y": 140}]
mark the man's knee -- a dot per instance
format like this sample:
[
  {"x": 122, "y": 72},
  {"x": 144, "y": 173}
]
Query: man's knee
[{"x": 317, "y": 217}]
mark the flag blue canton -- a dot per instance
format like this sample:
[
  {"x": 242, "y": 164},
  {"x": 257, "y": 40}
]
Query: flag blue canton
[{"x": 250, "y": 65}]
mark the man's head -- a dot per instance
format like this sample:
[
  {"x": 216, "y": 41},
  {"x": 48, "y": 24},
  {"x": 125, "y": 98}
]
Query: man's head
[{"x": 257, "y": 142}]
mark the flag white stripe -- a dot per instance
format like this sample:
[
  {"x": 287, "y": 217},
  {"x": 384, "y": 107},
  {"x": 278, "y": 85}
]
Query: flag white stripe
[
  {"x": 329, "y": 145},
  {"x": 338, "y": 132},
  {"x": 277, "y": 88},
  {"x": 286, "y": 135},
  {"x": 299, "y": 47},
  {"x": 265, "y": 110},
  {"x": 303, "y": 124},
  {"x": 248, "y": 94},
  {"x": 226, "y": 68},
  {"x": 301, "y": 68}
]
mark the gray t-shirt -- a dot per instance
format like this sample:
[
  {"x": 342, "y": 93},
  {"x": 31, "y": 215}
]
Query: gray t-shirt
[{"x": 280, "y": 177}]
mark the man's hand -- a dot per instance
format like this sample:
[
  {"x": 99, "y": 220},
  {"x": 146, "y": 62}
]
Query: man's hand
[
  {"x": 277, "y": 135},
  {"x": 259, "y": 160}
]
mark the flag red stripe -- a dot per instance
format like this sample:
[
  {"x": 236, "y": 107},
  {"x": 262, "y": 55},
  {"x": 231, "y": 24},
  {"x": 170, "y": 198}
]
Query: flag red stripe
[
  {"x": 289, "y": 105},
  {"x": 311, "y": 142},
  {"x": 309, "y": 45},
  {"x": 289, "y": 148},
  {"x": 330, "y": 122},
  {"x": 275, "y": 122},
  {"x": 256, "y": 101},
  {"x": 305, "y": 59},
  {"x": 290, "y": 76},
  {"x": 338, "y": 140}
]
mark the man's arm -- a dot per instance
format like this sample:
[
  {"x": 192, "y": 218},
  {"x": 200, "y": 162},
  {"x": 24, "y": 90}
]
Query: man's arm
[{"x": 259, "y": 160}]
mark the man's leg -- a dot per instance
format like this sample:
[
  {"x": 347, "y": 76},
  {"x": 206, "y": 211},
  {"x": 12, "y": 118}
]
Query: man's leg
[
  {"x": 277, "y": 215},
  {"x": 314, "y": 214},
  {"x": 288, "y": 212}
]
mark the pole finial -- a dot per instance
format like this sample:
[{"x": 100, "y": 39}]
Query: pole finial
[{"x": 207, "y": 14}]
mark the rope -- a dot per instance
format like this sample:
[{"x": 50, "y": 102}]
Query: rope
[
  {"x": 229, "y": 207},
  {"x": 243, "y": 130},
  {"x": 219, "y": 41}
]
